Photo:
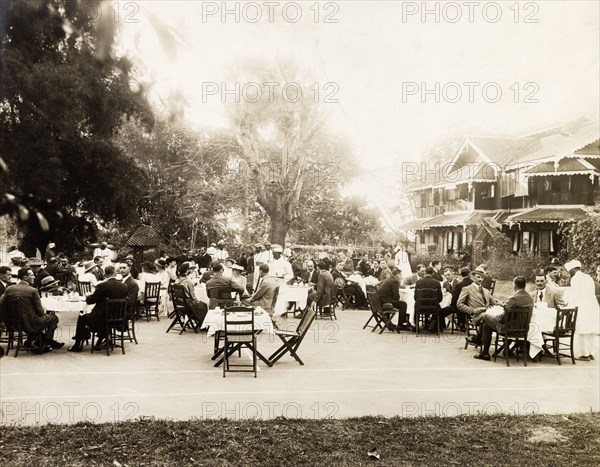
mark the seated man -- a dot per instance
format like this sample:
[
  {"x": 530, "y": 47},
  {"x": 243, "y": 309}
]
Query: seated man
[
  {"x": 35, "y": 319},
  {"x": 311, "y": 275},
  {"x": 474, "y": 300},
  {"x": 323, "y": 294},
  {"x": 95, "y": 320},
  {"x": 490, "y": 324},
  {"x": 453, "y": 308},
  {"x": 389, "y": 292},
  {"x": 412, "y": 280},
  {"x": 429, "y": 283},
  {"x": 51, "y": 286},
  {"x": 224, "y": 284},
  {"x": 88, "y": 274},
  {"x": 265, "y": 290},
  {"x": 543, "y": 293}
]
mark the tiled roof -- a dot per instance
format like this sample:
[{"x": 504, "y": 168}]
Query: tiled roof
[
  {"x": 144, "y": 236},
  {"x": 552, "y": 214},
  {"x": 457, "y": 219}
]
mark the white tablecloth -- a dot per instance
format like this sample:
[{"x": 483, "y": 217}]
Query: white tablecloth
[
  {"x": 291, "y": 294},
  {"x": 408, "y": 296},
  {"x": 215, "y": 320},
  {"x": 200, "y": 291},
  {"x": 542, "y": 320},
  {"x": 57, "y": 304}
]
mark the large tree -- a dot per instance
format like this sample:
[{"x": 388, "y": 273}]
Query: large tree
[
  {"x": 64, "y": 95},
  {"x": 278, "y": 130}
]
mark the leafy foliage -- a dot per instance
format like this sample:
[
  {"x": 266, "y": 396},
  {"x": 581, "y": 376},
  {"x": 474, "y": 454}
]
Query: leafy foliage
[
  {"x": 504, "y": 265},
  {"x": 583, "y": 239},
  {"x": 61, "y": 106}
]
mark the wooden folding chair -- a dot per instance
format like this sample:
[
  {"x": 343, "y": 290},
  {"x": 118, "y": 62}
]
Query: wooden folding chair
[
  {"x": 15, "y": 331},
  {"x": 181, "y": 317},
  {"x": 115, "y": 322},
  {"x": 84, "y": 288},
  {"x": 383, "y": 319},
  {"x": 239, "y": 332},
  {"x": 515, "y": 327},
  {"x": 292, "y": 339},
  {"x": 564, "y": 328},
  {"x": 151, "y": 303}
]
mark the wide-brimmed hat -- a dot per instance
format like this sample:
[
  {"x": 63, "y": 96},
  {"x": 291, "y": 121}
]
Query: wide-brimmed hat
[
  {"x": 237, "y": 267},
  {"x": 129, "y": 258},
  {"x": 35, "y": 262},
  {"x": 51, "y": 245},
  {"x": 478, "y": 270},
  {"x": 48, "y": 282},
  {"x": 229, "y": 259},
  {"x": 89, "y": 265},
  {"x": 161, "y": 263},
  {"x": 574, "y": 263}
]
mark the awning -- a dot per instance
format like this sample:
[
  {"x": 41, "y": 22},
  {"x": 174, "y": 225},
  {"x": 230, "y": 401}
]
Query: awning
[
  {"x": 417, "y": 224},
  {"x": 553, "y": 214}
]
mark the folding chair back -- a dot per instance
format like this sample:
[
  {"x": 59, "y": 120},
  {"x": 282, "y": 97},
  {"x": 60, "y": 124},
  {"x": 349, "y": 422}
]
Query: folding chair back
[
  {"x": 382, "y": 319},
  {"x": 180, "y": 313},
  {"x": 564, "y": 327},
  {"x": 239, "y": 332},
  {"x": 151, "y": 300},
  {"x": 292, "y": 339},
  {"x": 14, "y": 324},
  {"x": 115, "y": 321},
  {"x": 84, "y": 288},
  {"x": 426, "y": 305},
  {"x": 493, "y": 286},
  {"x": 515, "y": 327},
  {"x": 220, "y": 298}
]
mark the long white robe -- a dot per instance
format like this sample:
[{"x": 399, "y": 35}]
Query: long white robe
[
  {"x": 401, "y": 261},
  {"x": 583, "y": 296}
]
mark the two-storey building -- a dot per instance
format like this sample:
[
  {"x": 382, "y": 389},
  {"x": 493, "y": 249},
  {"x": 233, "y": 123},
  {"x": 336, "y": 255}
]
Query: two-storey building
[{"x": 525, "y": 186}]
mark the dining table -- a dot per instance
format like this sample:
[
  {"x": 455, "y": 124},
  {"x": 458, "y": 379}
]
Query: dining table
[
  {"x": 62, "y": 303},
  {"x": 408, "y": 295},
  {"x": 215, "y": 321},
  {"x": 291, "y": 293},
  {"x": 543, "y": 319}
]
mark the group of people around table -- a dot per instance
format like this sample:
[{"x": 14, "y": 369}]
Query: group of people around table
[{"x": 475, "y": 301}]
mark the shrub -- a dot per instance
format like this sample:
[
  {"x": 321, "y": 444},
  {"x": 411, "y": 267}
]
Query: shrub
[{"x": 504, "y": 265}]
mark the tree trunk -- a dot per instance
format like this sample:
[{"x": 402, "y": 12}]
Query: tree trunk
[{"x": 279, "y": 229}]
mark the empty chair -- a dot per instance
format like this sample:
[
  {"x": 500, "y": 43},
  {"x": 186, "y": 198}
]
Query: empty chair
[
  {"x": 292, "y": 339},
  {"x": 239, "y": 332},
  {"x": 514, "y": 328},
  {"x": 151, "y": 303},
  {"x": 564, "y": 328}
]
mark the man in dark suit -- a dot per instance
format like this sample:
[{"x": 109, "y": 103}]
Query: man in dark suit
[
  {"x": 5, "y": 278},
  {"x": 496, "y": 323},
  {"x": 222, "y": 283},
  {"x": 437, "y": 267},
  {"x": 311, "y": 275},
  {"x": 449, "y": 281},
  {"x": 94, "y": 321},
  {"x": 487, "y": 279},
  {"x": 324, "y": 294},
  {"x": 434, "y": 290},
  {"x": 35, "y": 319},
  {"x": 39, "y": 272},
  {"x": 389, "y": 292},
  {"x": 132, "y": 287}
]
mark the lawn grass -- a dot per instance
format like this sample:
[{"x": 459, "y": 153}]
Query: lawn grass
[{"x": 482, "y": 440}]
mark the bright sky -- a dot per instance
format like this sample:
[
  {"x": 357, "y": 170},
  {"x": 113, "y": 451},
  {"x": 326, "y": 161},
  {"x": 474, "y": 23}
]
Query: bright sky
[{"x": 382, "y": 56}]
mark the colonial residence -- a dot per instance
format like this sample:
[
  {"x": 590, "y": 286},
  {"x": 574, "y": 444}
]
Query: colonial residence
[{"x": 525, "y": 186}]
